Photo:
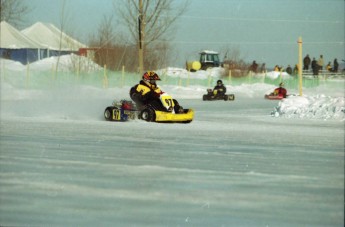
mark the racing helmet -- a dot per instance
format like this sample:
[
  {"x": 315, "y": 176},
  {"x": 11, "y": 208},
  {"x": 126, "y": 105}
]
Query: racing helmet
[
  {"x": 281, "y": 84},
  {"x": 150, "y": 77},
  {"x": 219, "y": 82}
]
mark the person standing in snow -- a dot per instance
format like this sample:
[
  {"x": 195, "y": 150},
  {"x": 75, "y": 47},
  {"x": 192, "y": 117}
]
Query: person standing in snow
[
  {"x": 315, "y": 67},
  {"x": 295, "y": 70},
  {"x": 306, "y": 62},
  {"x": 289, "y": 70},
  {"x": 329, "y": 67},
  {"x": 320, "y": 62},
  {"x": 335, "y": 65},
  {"x": 254, "y": 67},
  {"x": 263, "y": 68}
]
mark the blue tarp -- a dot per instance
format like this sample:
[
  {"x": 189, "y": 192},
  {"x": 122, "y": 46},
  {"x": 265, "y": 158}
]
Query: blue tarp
[{"x": 26, "y": 56}]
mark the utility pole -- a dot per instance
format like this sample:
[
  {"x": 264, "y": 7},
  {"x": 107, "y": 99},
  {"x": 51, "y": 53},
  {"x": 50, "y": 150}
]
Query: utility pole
[
  {"x": 300, "y": 65},
  {"x": 141, "y": 37}
]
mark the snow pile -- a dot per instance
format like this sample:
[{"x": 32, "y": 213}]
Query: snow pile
[
  {"x": 274, "y": 75},
  {"x": 318, "y": 107},
  {"x": 216, "y": 72},
  {"x": 67, "y": 63},
  {"x": 11, "y": 65}
]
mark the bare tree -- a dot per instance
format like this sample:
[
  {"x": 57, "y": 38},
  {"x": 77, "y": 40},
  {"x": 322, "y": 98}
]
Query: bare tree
[
  {"x": 13, "y": 12},
  {"x": 106, "y": 33},
  {"x": 63, "y": 39},
  {"x": 157, "y": 18},
  {"x": 235, "y": 62},
  {"x": 107, "y": 50},
  {"x": 62, "y": 24}
]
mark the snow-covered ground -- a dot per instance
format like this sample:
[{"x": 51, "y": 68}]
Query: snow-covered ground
[{"x": 250, "y": 162}]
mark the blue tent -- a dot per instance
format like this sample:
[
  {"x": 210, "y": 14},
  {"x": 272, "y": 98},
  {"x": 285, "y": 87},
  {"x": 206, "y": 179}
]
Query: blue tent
[{"x": 16, "y": 46}]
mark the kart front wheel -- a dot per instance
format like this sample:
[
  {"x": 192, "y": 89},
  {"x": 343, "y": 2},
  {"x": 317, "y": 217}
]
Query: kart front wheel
[{"x": 147, "y": 115}]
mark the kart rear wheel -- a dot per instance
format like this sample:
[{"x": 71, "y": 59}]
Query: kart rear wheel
[
  {"x": 204, "y": 97},
  {"x": 147, "y": 115},
  {"x": 226, "y": 97},
  {"x": 108, "y": 112}
]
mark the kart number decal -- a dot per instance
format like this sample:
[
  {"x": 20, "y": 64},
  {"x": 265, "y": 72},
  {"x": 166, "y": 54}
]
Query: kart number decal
[
  {"x": 117, "y": 114},
  {"x": 167, "y": 101}
]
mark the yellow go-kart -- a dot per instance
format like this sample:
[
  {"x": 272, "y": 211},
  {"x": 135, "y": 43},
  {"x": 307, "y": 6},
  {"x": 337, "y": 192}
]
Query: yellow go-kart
[{"x": 163, "y": 110}]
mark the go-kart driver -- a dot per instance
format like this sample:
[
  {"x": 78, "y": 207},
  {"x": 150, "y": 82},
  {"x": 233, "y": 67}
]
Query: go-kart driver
[
  {"x": 280, "y": 91},
  {"x": 219, "y": 89},
  {"x": 148, "y": 92}
]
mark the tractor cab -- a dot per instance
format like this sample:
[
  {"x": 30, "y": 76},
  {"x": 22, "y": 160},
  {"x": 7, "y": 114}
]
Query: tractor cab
[{"x": 209, "y": 59}]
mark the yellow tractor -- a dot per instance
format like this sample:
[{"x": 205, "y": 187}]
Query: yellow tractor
[{"x": 208, "y": 59}]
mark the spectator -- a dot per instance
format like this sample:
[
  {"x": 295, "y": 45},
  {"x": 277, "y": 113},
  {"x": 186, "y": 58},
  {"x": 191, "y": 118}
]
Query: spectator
[
  {"x": 289, "y": 70},
  {"x": 306, "y": 62},
  {"x": 263, "y": 68},
  {"x": 276, "y": 68},
  {"x": 329, "y": 67},
  {"x": 315, "y": 67},
  {"x": 320, "y": 62},
  {"x": 254, "y": 67},
  {"x": 295, "y": 70},
  {"x": 335, "y": 65}
]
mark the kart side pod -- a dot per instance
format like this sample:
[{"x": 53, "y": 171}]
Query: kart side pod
[{"x": 150, "y": 114}]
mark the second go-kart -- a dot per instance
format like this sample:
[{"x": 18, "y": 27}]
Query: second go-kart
[{"x": 210, "y": 96}]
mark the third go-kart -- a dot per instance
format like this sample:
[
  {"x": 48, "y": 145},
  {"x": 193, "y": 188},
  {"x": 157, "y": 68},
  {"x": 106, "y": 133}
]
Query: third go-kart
[{"x": 274, "y": 97}]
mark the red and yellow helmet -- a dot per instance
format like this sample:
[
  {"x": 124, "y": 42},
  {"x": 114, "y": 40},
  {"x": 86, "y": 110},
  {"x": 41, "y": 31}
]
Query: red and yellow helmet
[{"x": 150, "y": 76}]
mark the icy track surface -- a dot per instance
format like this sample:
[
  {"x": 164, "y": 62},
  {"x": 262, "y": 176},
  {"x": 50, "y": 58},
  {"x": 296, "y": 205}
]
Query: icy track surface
[{"x": 234, "y": 165}]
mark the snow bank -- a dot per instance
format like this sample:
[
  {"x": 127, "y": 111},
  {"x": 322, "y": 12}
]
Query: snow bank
[
  {"x": 11, "y": 65},
  {"x": 315, "y": 107},
  {"x": 274, "y": 75},
  {"x": 67, "y": 63},
  {"x": 215, "y": 72}
]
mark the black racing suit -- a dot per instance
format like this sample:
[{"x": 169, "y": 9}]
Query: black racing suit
[
  {"x": 144, "y": 94},
  {"x": 219, "y": 90}
]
